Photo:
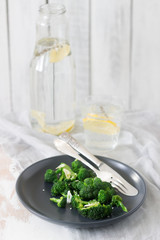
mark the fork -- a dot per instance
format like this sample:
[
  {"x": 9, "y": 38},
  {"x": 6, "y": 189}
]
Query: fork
[
  {"x": 103, "y": 167},
  {"x": 65, "y": 148}
]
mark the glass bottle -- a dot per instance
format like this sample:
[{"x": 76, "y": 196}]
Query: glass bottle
[{"x": 52, "y": 85}]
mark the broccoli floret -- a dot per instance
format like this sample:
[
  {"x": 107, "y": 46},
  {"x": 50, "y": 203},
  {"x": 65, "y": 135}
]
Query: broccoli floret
[
  {"x": 90, "y": 188},
  {"x": 73, "y": 185},
  {"x": 88, "y": 181},
  {"x": 102, "y": 196},
  {"x": 94, "y": 210},
  {"x": 66, "y": 172},
  {"x": 87, "y": 192},
  {"x": 79, "y": 185},
  {"x": 58, "y": 188},
  {"x": 76, "y": 165},
  {"x": 106, "y": 185},
  {"x": 105, "y": 196},
  {"x": 91, "y": 209},
  {"x": 77, "y": 202},
  {"x": 92, "y": 173},
  {"x": 76, "y": 185},
  {"x": 61, "y": 202},
  {"x": 50, "y": 176},
  {"x": 117, "y": 201},
  {"x": 97, "y": 183},
  {"x": 83, "y": 173}
]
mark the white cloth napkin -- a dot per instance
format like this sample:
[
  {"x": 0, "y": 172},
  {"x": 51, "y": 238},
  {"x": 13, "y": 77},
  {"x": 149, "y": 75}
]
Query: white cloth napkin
[{"x": 139, "y": 147}]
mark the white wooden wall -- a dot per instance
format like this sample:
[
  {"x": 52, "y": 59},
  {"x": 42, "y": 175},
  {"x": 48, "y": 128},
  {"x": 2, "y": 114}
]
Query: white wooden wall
[{"x": 115, "y": 43}]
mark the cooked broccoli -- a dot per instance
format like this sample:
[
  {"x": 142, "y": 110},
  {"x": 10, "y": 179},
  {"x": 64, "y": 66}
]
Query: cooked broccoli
[
  {"x": 97, "y": 183},
  {"x": 91, "y": 209},
  {"x": 66, "y": 172},
  {"x": 76, "y": 185},
  {"x": 87, "y": 193},
  {"x": 88, "y": 181},
  {"x": 106, "y": 185},
  {"x": 73, "y": 185},
  {"x": 50, "y": 176},
  {"x": 117, "y": 201},
  {"x": 76, "y": 165},
  {"x": 79, "y": 185},
  {"x": 58, "y": 188},
  {"x": 90, "y": 188},
  {"x": 83, "y": 173},
  {"x": 61, "y": 202},
  {"x": 77, "y": 202},
  {"x": 102, "y": 196},
  {"x": 95, "y": 210},
  {"x": 105, "y": 196}
]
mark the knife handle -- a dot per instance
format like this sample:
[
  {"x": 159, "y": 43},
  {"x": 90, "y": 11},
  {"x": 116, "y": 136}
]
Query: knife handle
[
  {"x": 65, "y": 148},
  {"x": 73, "y": 142}
]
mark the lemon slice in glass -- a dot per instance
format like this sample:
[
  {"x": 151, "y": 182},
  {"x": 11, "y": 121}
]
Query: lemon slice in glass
[{"x": 100, "y": 124}]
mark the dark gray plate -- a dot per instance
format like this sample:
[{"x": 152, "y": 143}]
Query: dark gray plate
[{"x": 35, "y": 194}]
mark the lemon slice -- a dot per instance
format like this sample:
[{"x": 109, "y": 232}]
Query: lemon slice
[
  {"x": 57, "y": 129},
  {"x": 100, "y": 125},
  {"x": 94, "y": 115},
  {"x": 59, "y": 52},
  {"x": 39, "y": 116}
]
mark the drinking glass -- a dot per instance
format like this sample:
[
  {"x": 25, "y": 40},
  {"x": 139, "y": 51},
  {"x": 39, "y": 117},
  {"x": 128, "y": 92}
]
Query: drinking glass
[{"x": 101, "y": 116}]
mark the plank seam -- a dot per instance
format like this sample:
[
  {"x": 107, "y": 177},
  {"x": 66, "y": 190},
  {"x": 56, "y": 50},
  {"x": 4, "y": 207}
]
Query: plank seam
[
  {"x": 9, "y": 56},
  {"x": 130, "y": 55},
  {"x": 89, "y": 48}
]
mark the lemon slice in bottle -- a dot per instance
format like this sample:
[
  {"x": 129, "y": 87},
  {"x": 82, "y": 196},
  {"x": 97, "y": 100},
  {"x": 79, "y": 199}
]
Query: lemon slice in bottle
[
  {"x": 59, "y": 128},
  {"x": 39, "y": 116},
  {"x": 100, "y": 124},
  {"x": 65, "y": 126},
  {"x": 59, "y": 52}
]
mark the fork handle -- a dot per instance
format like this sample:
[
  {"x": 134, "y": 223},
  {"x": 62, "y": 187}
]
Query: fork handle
[{"x": 73, "y": 142}]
